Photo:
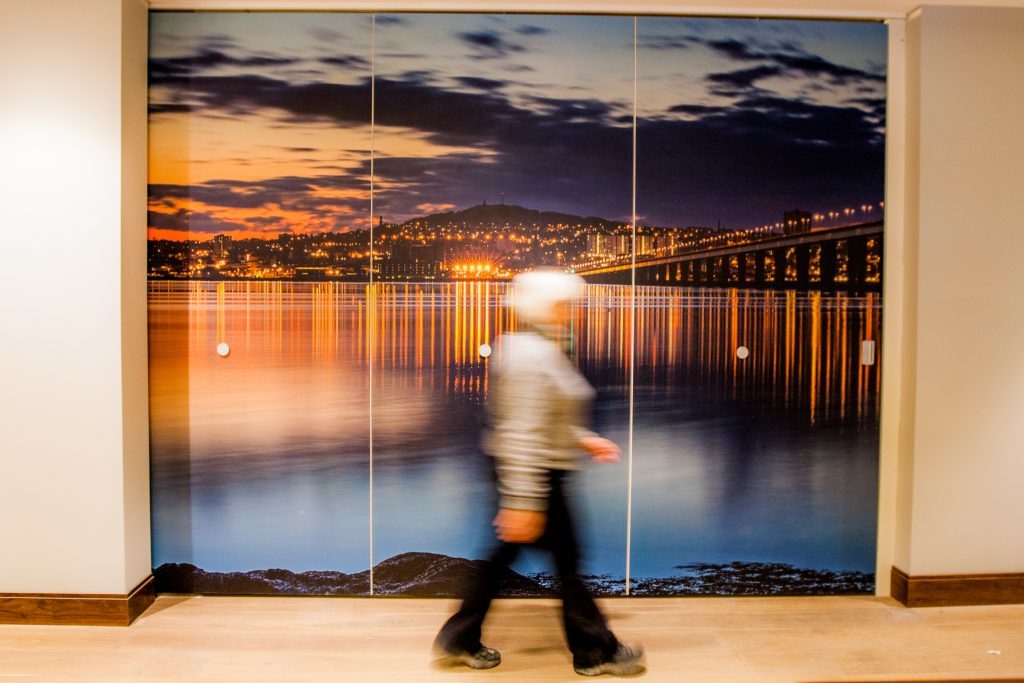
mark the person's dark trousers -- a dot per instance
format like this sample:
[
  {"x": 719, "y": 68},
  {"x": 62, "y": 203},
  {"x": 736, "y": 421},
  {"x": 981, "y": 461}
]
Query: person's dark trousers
[{"x": 586, "y": 631}]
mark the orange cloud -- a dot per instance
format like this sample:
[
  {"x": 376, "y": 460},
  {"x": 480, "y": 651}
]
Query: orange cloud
[{"x": 434, "y": 208}]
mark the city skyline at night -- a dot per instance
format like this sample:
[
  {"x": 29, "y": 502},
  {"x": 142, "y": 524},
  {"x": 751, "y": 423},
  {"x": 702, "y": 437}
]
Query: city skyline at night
[{"x": 481, "y": 242}]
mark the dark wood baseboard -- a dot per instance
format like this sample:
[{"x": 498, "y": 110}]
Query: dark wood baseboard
[
  {"x": 957, "y": 589},
  {"x": 77, "y": 610}
]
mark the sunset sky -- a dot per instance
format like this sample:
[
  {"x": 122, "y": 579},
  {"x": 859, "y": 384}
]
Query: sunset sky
[{"x": 260, "y": 122}]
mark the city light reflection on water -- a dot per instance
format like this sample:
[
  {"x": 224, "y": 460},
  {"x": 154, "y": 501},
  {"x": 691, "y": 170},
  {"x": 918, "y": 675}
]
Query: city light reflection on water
[{"x": 261, "y": 458}]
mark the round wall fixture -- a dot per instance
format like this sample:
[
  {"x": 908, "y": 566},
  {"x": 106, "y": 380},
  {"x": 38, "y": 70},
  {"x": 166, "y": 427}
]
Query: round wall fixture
[
  {"x": 485, "y": 350},
  {"x": 223, "y": 349},
  {"x": 742, "y": 352}
]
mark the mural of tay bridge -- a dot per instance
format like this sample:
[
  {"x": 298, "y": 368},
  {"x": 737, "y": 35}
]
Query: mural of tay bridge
[
  {"x": 337, "y": 205},
  {"x": 848, "y": 259}
]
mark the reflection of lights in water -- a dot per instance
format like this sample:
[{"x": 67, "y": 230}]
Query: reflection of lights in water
[
  {"x": 804, "y": 362},
  {"x": 301, "y": 350}
]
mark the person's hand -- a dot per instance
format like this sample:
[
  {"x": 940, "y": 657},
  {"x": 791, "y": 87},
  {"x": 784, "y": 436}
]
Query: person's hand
[
  {"x": 601, "y": 449},
  {"x": 519, "y": 526}
]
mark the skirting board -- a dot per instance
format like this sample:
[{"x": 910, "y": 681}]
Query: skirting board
[
  {"x": 957, "y": 589},
  {"x": 77, "y": 610}
]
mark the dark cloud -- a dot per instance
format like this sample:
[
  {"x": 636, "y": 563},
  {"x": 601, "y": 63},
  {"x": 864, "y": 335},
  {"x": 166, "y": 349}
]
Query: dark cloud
[
  {"x": 243, "y": 194},
  {"x": 418, "y": 75},
  {"x": 448, "y": 116},
  {"x": 694, "y": 109},
  {"x": 183, "y": 220},
  {"x": 813, "y": 65},
  {"x": 207, "y": 59},
  {"x": 803, "y": 122},
  {"x": 451, "y": 116},
  {"x": 793, "y": 60},
  {"x": 480, "y": 83},
  {"x": 798, "y": 121},
  {"x": 531, "y": 30},
  {"x": 163, "y": 192},
  {"x": 246, "y": 94},
  {"x": 390, "y": 20},
  {"x": 814, "y": 87},
  {"x": 489, "y": 44},
  {"x": 741, "y": 80},
  {"x": 347, "y": 60},
  {"x": 734, "y": 49},
  {"x": 656, "y": 42},
  {"x": 264, "y": 61},
  {"x": 571, "y": 110},
  {"x": 400, "y": 55},
  {"x": 169, "y": 108}
]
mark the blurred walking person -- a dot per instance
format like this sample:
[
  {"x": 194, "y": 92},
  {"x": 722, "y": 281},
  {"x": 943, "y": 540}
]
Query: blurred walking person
[{"x": 536, "y": 412}]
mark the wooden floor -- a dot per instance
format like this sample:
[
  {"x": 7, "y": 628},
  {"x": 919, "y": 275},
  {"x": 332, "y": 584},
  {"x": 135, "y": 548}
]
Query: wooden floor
[{"x": 687, "y": 639}]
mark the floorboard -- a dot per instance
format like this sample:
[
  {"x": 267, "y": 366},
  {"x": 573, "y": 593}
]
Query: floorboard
[{"x": 256, "y": 639}]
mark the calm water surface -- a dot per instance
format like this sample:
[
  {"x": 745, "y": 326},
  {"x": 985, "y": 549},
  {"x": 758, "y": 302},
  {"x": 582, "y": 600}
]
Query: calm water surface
[{"x": 263, "y": 458}]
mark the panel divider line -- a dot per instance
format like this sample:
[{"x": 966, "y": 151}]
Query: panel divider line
[
  {"x": 632, "y": 336},
  {"x": 371, "y": 304}
]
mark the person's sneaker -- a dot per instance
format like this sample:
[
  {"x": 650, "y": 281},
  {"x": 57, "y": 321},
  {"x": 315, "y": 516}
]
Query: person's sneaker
[
  {"x": 627, "y": 661},
  {"x": 484, "y": 658}
]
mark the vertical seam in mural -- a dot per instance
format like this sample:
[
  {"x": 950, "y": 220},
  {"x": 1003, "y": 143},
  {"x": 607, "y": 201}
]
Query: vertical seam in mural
[
  {"x": 632, "y": 333},
  {"x": 371, "y": 306}
]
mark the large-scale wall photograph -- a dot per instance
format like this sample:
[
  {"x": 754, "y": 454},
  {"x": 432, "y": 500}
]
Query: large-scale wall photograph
[{"x": 337, "y": 204}]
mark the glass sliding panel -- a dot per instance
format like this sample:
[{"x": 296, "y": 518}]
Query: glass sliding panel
[
  {"x": 259, "y": 151},
  {"x": 756, "y": 426},
  {"x": 502, "y": 144}
]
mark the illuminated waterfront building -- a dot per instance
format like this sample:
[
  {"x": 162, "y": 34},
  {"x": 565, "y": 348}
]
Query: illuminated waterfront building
[
  {"x": 598, "y": 245},
  {"x": 412, "y": 260}
]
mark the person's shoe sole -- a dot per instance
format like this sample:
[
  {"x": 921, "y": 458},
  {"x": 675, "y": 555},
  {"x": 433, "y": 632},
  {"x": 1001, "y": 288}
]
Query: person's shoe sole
[
  {"x": 632, "y": 664},
  {"x": 450, "y": 659},
  {"x": 613, "y": 669}
]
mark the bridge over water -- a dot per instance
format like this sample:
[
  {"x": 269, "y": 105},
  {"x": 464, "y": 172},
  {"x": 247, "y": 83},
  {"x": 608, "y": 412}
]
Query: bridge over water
[{"x": 835, "y": 259}]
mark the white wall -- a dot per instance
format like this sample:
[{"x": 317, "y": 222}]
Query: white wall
[
  {"x": 74, "y": 475},
  {"x": 963, "y": 423}
]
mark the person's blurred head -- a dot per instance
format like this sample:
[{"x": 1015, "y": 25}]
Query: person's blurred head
[{"x": 544, "y": 296}]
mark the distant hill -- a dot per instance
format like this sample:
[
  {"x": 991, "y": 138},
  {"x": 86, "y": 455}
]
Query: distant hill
[{"x": 508, "y": 214}]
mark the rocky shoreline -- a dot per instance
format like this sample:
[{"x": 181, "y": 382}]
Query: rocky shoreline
[{"x": 418, "y": 574}]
